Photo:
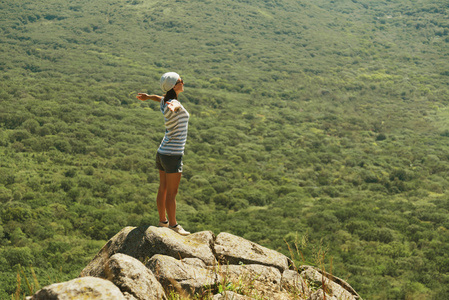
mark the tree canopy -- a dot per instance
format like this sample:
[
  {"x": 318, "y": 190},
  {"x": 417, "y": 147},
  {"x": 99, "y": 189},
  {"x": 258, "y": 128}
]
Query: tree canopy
[{"x": 318, "y": 119}]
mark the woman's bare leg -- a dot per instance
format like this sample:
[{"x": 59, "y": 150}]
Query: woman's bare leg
[
  {"x": 161, "y": 196},
  {"x": 172, "y": 183}
]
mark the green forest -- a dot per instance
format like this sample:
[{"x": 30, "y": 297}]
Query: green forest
[{"x": 322, "y": 124}]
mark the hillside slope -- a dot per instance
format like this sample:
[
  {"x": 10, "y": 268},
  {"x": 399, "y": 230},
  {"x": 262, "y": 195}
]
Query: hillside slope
[{"x": 320, "y": 123}]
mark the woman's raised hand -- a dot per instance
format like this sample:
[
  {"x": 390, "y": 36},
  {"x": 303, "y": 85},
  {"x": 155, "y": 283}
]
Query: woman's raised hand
[{"x": 143, "y": 96}]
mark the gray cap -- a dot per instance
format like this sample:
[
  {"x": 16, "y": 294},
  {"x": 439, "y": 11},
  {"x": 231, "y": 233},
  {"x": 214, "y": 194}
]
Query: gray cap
[{"x": 168, "y": 81}]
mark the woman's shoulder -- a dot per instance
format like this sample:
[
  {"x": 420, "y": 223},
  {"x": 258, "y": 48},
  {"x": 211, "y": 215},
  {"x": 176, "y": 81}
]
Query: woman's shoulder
[{"x": 173, "y": 102}]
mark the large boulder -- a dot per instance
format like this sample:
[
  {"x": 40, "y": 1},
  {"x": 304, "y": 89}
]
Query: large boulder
[
  {"x": 144, "y": 242},
  {"x": 328, "y": 283},
  {"x": 80, "y": 289},
  {"x": 182, "y": 277},
  {"x": 134, "y": 279},
  {"x": 232, "y": 249}
]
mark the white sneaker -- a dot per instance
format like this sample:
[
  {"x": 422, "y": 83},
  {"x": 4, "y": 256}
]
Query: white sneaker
[
  {"x": 163, "y": 224},
  {"x": 178, "y": 228}
]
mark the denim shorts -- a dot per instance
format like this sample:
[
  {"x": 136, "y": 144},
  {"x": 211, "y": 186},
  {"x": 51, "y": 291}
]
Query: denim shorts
[{"x": 169, "y": 163}]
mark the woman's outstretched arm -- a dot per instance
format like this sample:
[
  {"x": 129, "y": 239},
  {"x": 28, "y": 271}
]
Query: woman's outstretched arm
[{"x": 144, "y": 96}]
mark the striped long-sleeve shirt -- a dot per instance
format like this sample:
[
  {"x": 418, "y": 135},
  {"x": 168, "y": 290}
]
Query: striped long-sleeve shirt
[{"x": 176, "y": 124}]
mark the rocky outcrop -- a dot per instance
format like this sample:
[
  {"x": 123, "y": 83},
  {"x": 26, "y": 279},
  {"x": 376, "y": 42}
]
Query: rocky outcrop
[{"x": 150, "y": 262}]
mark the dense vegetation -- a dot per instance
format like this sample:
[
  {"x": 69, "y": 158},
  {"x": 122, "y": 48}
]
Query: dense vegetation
[{"x": 318, "y": 119}]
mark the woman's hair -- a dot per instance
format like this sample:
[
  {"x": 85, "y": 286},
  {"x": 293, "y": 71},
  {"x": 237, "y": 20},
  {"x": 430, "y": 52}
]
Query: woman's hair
[{"x": 171, "y": 94}]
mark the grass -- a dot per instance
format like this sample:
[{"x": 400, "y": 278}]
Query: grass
[{"x": 31, "y": 287}]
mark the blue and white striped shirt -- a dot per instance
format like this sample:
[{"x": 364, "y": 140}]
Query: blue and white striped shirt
[{"x": 176, "y": 124}]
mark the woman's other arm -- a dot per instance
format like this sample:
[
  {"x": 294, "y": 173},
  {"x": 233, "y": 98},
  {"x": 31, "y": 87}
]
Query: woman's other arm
[
  {"x": 174, "y": 105},
  {"x": 143, "y": 97}
]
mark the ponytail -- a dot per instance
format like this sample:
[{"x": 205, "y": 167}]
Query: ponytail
[{"x": 171, "y": 94}]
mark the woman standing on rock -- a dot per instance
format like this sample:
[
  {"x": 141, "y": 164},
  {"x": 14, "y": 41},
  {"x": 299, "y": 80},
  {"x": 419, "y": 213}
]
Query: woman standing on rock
[{"x": 170, "y": 152}]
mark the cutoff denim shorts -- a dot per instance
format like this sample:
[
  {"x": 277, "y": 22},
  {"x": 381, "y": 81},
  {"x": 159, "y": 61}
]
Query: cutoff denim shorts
[{"x": 169, "y": 163}]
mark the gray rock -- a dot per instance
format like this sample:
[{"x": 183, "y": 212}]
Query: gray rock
[
  {"x": 195, "y": 262},
  {"x": 336, "y": 280},
  {"x": 80, "y": 289},
  {"x": 96, "y": 265},
  {"x": 133, "y": 278},
  {"x": 144, "y": 242},
  {"x": 293, "y": 282},
  {"x": 167, "y": 242},
  {"x": 181, "y": 277},
  {"x": 332, "y": 288},
  {"x": 231, "y": 249}
]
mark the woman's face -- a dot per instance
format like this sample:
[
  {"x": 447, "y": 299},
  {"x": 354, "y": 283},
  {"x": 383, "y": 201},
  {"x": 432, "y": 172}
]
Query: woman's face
[{"x": 179, "y": 86}]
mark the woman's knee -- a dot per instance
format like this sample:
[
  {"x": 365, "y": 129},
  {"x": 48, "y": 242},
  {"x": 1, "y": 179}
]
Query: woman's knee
[
  {"x": 162, "y": 187},
  {"x": 171, "y": 193}
]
